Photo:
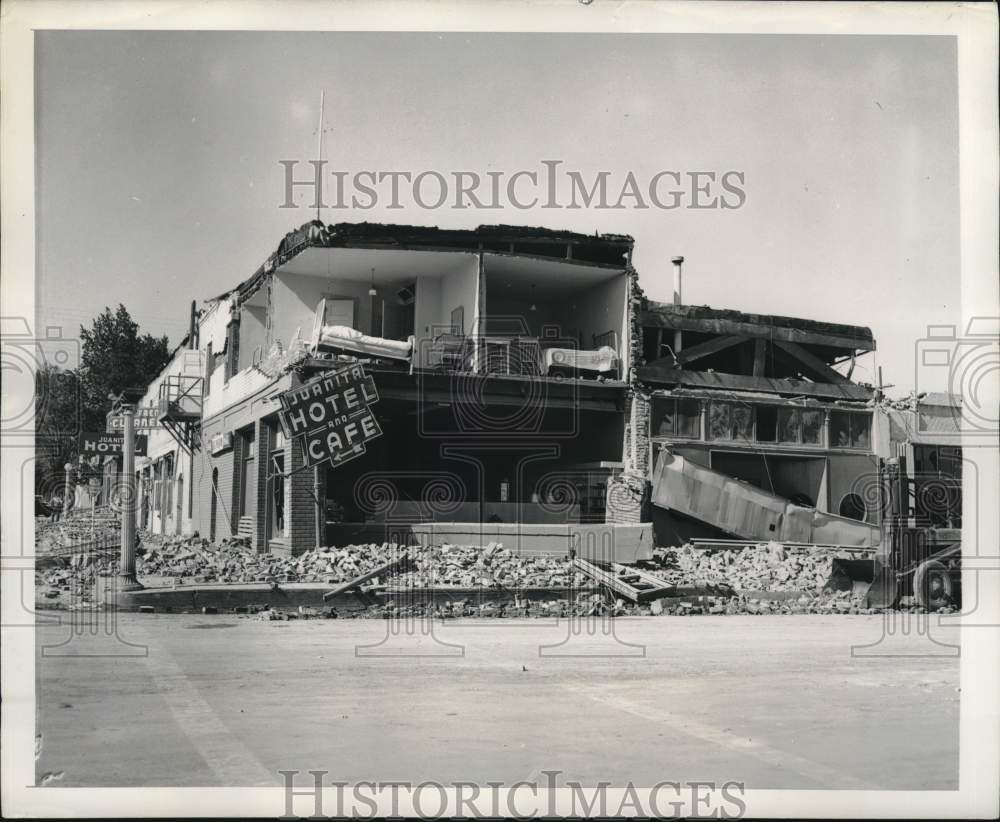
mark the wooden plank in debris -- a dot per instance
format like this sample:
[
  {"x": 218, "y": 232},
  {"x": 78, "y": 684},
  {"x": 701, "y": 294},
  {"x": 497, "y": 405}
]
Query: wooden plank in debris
[
  {"x": 632, "y": 583},
  {"x": 393, "y": 565}
]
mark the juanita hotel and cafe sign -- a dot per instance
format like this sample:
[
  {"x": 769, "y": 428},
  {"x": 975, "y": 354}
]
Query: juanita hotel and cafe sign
[{"x": 331, "y": 415}]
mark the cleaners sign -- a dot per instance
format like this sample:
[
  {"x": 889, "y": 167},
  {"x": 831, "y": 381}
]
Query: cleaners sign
[
  {"x": 146, "y": 418},
  {"x": 331, "y": 415}
]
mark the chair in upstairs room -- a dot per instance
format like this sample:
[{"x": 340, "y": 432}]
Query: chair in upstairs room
[{"x": 449, "y": 352}]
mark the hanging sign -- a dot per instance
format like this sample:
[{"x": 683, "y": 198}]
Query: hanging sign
[
  {"x": 99, "y": 444},
  {"x": 331, "y": 415}
]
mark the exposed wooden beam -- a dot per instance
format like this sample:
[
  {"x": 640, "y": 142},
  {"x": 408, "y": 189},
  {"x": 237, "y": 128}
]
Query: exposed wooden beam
[
  {"x": 721, "y": 327},
  {"x": 664, "y": 362},
  {"x": 696, "y": 352},
  {"x": 759, "y": 356},
  {"x": 739, "y": 382},
  {"x": 812, "y": 362}
]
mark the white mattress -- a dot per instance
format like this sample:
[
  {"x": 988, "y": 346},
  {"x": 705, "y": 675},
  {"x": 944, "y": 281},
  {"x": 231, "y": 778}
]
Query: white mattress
[
  {"x": 350, "y": 339},
  {"x": 601, "y": 360}
]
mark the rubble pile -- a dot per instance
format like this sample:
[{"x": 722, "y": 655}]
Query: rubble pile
[
  {"x": 75, "y": 533},
  {"x": 584, "y": 605},
  {"x": 766, "y": 579},
  {"x": 491, "y": 567},
  {"x": 195, "y": 560},
  {"x": 770, "y": 567}
]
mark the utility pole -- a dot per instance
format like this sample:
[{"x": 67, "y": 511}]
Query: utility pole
[
  {"x": 319, "y": 143},
  {"x": 127, "y": 580}
]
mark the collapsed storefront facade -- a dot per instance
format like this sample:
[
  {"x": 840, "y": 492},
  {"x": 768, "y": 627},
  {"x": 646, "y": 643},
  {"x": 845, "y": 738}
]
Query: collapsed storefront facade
[
  {"x": 500, "y": 357},
  {"x": 747, "y": 431}
]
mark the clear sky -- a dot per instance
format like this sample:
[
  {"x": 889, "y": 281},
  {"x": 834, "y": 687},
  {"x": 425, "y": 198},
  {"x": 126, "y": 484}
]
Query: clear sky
[{"x": 159, "y": 181}]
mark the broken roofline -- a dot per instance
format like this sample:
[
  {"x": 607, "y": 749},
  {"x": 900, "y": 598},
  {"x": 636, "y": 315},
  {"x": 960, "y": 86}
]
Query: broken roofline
[
  {"x": 610, "y": 250},
  {"x": 726, "y": 321}
]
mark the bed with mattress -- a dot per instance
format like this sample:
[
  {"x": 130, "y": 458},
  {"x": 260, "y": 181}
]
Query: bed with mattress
[
  {"x": 351, "y": 341},
  {"x": 603, "y": 360}
]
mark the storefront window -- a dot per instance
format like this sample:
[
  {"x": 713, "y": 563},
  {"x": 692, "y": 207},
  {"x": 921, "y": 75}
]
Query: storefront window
[
  {"x": 812, "y": 426},
  {"x": 720, "y": 421},
  {"x": 742, "y": 422},
  {"x": 767, "y": 423},
  {"x": 730, "y": 421},
  {"x": 850, "y": 429},
  {"x": 168, "y": 479},
  {"x": 157, "y": 483},
  {"x": 675, "y": 417},
  {"x": 789, "y": 425}
]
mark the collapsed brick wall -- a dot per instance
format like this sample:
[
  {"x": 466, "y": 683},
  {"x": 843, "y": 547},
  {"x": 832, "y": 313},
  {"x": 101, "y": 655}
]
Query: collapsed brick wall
[
  {"x": 627, "y": 499},
  {"x": 627, "y": 494}
]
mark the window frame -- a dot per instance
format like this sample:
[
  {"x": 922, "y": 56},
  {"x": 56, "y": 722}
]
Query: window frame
[
  {"x": 851, "y": 415},
  {"x": 675, "y": 415}
]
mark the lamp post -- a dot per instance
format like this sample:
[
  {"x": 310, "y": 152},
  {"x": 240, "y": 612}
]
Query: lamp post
[
  {"x": 69, "y": 488},
  {"x": 127, "y": 580}
]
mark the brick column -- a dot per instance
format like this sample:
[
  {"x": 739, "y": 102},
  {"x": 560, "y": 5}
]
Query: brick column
[
  {"x": 264, "y": 434},
  {"x": 626, "y": 500},
  {"x": 640, "y": 432},
  {"x": 301, "y": 513}
]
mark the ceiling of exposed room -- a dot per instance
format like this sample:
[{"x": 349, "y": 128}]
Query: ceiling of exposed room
[
  {"x": 552, "y": 278},
  {"x": 390, "y": 265}
]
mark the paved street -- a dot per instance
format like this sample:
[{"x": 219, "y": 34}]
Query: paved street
[{"x": 776, "y": 702}]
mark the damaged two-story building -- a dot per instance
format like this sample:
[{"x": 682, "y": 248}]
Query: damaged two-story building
[
  {"x": 527, "y": 393},
  {"x": 745, "y": 429},
  {"x": 501, "y": 358}
]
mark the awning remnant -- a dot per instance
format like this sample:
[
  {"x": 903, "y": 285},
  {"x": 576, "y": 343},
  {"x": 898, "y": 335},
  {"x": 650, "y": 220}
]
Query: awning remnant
[{"x": 749, "y": 512}]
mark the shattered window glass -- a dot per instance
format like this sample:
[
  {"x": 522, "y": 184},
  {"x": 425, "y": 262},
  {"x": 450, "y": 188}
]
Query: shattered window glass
[
  {"x": 789, "y": 425},
  {"x": 742, "y": 422},
  {"x": 840, "y": 429},
  {"x": 688, "y": 418},
  {"x": 767, "y": 423},
  {"x": 661, "y": 423},
  {"x": 860, "y": 430},
  {"x": 850, "y": 430},
  {"x": 812, "y": 426},
  {"x": 720, "y": 421},
  {"x": 675, "y": 418}
]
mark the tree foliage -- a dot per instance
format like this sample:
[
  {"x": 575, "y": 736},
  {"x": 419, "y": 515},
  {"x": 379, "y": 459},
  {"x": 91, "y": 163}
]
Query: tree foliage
[
  {"x": 57, "y": 423},
  {"x": 114, "y": 356}
]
